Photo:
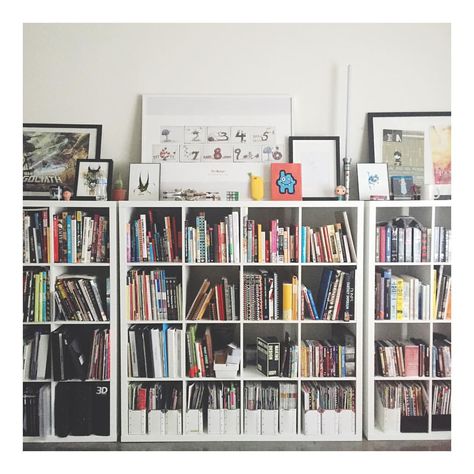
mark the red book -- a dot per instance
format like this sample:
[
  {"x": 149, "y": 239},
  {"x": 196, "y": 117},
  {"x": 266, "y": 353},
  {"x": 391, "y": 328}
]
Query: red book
[
  {"x": 411, "y": 360},
  {"x": 267, "y": 250},
  {"x": 383, "y": 243},
  {"x": 201, "y": 357},
  {"x": 141, "y": 399},
  {"x": 297, "y": 243},
  {"x": 221, "y": 302},
  {"x": 175, "y": 240},
  {"x": 55, "y": 238}
]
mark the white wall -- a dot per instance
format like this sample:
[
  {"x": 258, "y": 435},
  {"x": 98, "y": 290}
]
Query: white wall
[{"x": 95, "y": 73}]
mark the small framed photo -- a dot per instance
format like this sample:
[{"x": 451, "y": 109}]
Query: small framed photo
[
  {"x": 402, "y": 187},
  {"x": 372, "y": 179},
  {"x": 320, "y": 162},
  {"x": 144, "y": 182},
  {"x": 93, "y": 180}
]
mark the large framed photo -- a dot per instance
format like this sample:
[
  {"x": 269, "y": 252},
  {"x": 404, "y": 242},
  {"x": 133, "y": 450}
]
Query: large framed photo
[
  {"x": 144, "y": 182},
  {"x": 320, "y": 165},
  {"x": 372, "y": 179},
  {"x": 414, "y": 144},
  {"x": 93, "y": 180},
  {"x": 50, "y": 153}
]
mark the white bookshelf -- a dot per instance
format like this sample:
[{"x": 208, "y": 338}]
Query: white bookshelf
[
  {"x": 429, "y": 213},
  {"x": 314, "y": 213},
  {"x": 102, "y": 270}
]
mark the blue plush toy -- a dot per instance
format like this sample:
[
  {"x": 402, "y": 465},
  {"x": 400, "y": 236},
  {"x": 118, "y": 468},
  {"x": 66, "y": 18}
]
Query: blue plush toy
[{"x": 286, "y": 183}]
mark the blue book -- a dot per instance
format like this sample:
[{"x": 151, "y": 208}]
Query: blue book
[
  {"x": 69, "y": 238},
  {"x": 324, "y": 289},
  {"x": 303, "y": 245},
  {"x": 165, "y": 349},
  {"x": 313, "y": 305}
]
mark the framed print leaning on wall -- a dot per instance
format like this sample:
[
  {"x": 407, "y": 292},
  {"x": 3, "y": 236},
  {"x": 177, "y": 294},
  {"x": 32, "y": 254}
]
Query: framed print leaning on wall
[
  {"x": 415, "y": 144},
  {"x": 50, "y": 153}
]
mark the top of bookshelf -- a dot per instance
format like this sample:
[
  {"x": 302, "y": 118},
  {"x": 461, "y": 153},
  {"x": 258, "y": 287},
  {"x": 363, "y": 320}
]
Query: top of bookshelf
[
  {"x": 409, "y": 203},
  {"x": 67, "y": 204}
]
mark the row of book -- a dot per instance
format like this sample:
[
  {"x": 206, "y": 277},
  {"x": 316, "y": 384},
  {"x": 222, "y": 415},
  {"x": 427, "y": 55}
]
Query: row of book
[
  {"x": 153, "y": 296},
  {"x": 328, "y": 396},
  {"x": 154, "y": 352},
  {"x": 213, "y": 243},
  {"x": 37, "y": 411},
  {"x": 402, "y": 358},
  {"x": 276, "y": 245},
  {"x": 215, "y": 302},
  {"x": 332, "y": 243},
  {"x": 330, "y": 357},
  {"x": 442, "y": 302},
  {"x": 442, "y": 244},
  {"x": 441, "y": 403},
  {"x": 36, "y": 356},
  {"x": 36, "y": 303},
  {"x": 402, "y": 297},
  {"x": 410, "y": 397},
  {"x": 402, "y": 239},
  {"x": 78, "y": 298},
  {"x": 80, "y": 237},
  {"x": 223, "y": 396},
  {"x": 81, "y": 353},
  {"x": 275, "y": 358},
  {"x": 335, "y": 297},
  {"x": 36, "y": 237},
  {"x": 441, "y": 355},
  {"x": 158, "y": 396},
  {"x": 153, "y": 238},
  {"x": 270, "y": 396}
]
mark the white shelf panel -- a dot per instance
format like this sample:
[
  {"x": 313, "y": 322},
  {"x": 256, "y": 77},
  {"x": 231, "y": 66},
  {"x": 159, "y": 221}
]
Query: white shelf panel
[
  {"x": 402, "y": 321},
  {"x": 82, "y": 323},
  {"x": 380, "y": 378},
  {"x": 38, "y": 264},
  {"x": 154, "y": 321},
  {"x": 207, "y": 264},
  {"x": 42, "y": 323},
  {"x": 210, "y": 321},
  {"x": 402, "y": 264},
  {"x": 329, "y": 264},
  {"x": 154, "y": 264},
  {"x": 327, "y": 321},
  {"x": 251, "y": 373},
  {"x": 91, "y": 264},
  {"x": 329, "y": 379},
  {"x": 37, "y": 381},
  {"x": 268, "y": 264},
  {"x": 82, "y": 381},
  {"x": 154, "y": 379},
  {"x": 271, "y": 321}
]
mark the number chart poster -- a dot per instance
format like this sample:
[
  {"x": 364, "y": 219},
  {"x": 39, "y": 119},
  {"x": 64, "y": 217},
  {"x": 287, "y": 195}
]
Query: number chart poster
[{"x": 215, "y": 129}]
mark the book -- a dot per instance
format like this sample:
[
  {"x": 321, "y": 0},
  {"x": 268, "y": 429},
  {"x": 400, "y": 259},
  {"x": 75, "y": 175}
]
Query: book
[{"x": 268, "y": 356}]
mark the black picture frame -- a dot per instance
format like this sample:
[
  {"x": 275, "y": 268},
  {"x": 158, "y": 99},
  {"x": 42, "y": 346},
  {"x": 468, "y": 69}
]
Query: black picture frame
[
  {"x": 78, "y": 188},
  {"x": 375, "y": 125},
  {"x": 67, "y": 150},
  {"x": 328, "y": 191}
]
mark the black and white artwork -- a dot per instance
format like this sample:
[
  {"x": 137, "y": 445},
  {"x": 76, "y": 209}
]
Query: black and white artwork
[{"x": 144, "y": 182}]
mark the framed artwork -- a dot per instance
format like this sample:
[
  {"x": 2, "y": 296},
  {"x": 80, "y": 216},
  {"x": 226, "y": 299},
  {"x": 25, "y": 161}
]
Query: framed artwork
[
  {"x": 193, "y": 129},
  {"x": 402, "y": 187},
  {"x": 414, "y": 144},
  {"x": 320, "y": 161},
  {"x": 144, "y": 182},
  {"x": 286, "y": 181},
  {"x": 50, "y": 153},
  {"x": 372, "y": 179},
  {"x": 93, "y": 180}
]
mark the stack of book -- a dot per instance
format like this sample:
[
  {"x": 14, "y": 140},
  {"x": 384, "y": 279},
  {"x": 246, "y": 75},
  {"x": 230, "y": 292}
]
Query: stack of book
[
  {"x": 390, "y": 394},
  {"x": 253, "y": 396},
  {"x": 154, "y": 352},
  {"x": 223, "y": 396},
  {"x": 442, "y": 244},
  {"x": 402, "y": 239},
  {"x": 442, "y": 298},
  {"x": 215, "y": 302},
  {"x": 329, "y": 358},
  {"x": 36, "y": 356},
  {"x": 153, "y": 296},
  {"x": 414, "y": 399},
  {"x": 262, "y": 300},
  {"x": 151, "y": 238},
  {"x": 78, "y": 299},
  {"x": 335, "y": 297},
  {"x": 277, "y": 245},
  {"x": 36, "y": 304},
  {"x": 80, "y": 237},
  {"x": 328, "y": 396},
  {"x": 401, "y": 297},
  {"x": 159, "y": 396},
  {"x": 213, "y": 243},
  {"x": 331, "y": 243},
  {"x": 441, "y": 404},
  {"x": 37, "y": 411},
  {"x": 402, "y": 358},
  {"x": 36, "y": 235},
  {"x": 288, "y": 395},
  {"x": 81, "y": 354},
  {"x": 441, "y": 355}
]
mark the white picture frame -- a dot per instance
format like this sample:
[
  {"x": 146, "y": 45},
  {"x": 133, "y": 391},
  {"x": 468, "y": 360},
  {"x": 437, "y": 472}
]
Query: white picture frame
[
  {"x": 372, "y": 179},
  {"x": 144, "y": 182}
]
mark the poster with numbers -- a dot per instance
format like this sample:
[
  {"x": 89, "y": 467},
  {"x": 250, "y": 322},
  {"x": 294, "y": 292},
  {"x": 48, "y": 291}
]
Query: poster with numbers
[{"x": 215, "y": 129}]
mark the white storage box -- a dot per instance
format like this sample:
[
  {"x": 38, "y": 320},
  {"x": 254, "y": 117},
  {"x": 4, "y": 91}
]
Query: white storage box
[
  {"x": 194, "y": 424},
  {"x": 269, "y": 422},
  {"x": 312, "y": 423},
  {"x": 253, "y": 422},
  {"x": 232, "y": 422},
  {"x": 346, "y": 422},
  {"x": 387, "y": 419},
  {"x": 226, "y": 371},
  {"x": 329, "y": 423},
  {"x": 136, "y": 422},
  {"x": 215, "y": 421},
  {"x": 173, "y": 422},
  {"x": 156, "y": 423},
  {"x": 288, "y": 421}
]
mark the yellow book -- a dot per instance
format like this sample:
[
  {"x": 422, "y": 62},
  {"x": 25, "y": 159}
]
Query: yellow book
[
  {"x": 399, "y": 298},
  {"x": 303, "y": 361},
  {"x": 294, "y": 299},
  {"x": 287, "y": 301},
  {"x": 259, "y": 244}
]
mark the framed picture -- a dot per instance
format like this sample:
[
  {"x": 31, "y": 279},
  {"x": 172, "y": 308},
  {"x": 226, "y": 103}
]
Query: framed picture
[
  {"x": 50, "y": 153},
  {"x": 372, "y": 179},
  {"x": 414, "y": 144},
  {"x": 144, "y": 182},
  {"x": 93, "y": 180},
  {"x": 320, "y": 163},
  {"x": 286, "y": 181},
  {"x": 402, "y": 187}
]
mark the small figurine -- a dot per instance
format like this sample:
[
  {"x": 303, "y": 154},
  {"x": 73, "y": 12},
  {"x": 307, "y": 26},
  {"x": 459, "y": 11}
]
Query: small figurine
[
  {"x": 67, "y": 193},
  {"x": 256, "y": 187},
  {"x": 340, "y": 192}
]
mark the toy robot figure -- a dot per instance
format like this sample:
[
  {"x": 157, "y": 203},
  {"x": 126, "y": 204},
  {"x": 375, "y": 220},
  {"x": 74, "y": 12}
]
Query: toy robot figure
[{"x": 340, "y": 192}]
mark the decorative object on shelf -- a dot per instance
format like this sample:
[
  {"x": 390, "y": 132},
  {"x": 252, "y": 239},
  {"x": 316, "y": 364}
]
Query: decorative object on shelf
[
  {"x": 144, "y": 182},
  {"x": 256, "y": 187},
  {"x": 55, "y": 192},
  {"x": 93, "y": 180},
  {"x": 50, "y": 152},
  {"x": 402, "y": 187},
  {"x": 66, "y": 193},
  {"x": 347, "y": 161},
  {"x": 413, "y": 143},
  {"x": 232, "y": 196},
  {"x": 340, "y": 192},
  {"x": 190, "y": 195},
  {"x": 119, "y": 193},
  {"x": 373, "y": 181},
  {"x": 286, "y": 181},
  {"x": 319, "y": 157},
  {"x": 429, "y": 192}
]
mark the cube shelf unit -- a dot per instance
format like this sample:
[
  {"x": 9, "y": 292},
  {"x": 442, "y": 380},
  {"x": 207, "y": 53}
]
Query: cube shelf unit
[
  {"x": 101, "y": 269},
  {"x": 314, "y": 213},
  {"x": 430, "y": 214}
]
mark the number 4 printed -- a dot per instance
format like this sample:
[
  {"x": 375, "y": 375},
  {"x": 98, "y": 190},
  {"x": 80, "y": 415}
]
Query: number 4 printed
[{"x": 240, "y": 134}]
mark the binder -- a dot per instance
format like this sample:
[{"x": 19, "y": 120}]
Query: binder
[
  {"x": 194, "y": 422},
  {"x": 101, "y": 409},
  {"x": 311, "y": 423},
  {"x": 329, "y": 423},
  {"x": 387, "y": 419},
  {"x": 156, "y": 423},
  {"x": 215, "y": 421},
  {"x": 346, "y": 422},
  {"x": 173, "y": 422},
  {"x": 288, "y": 421},
  {"x": 232, "y": 422},
  {"x": 269, "y": 422},
  {"x": 253, "y": 422},
  {"x": 136, "y": 422}
]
